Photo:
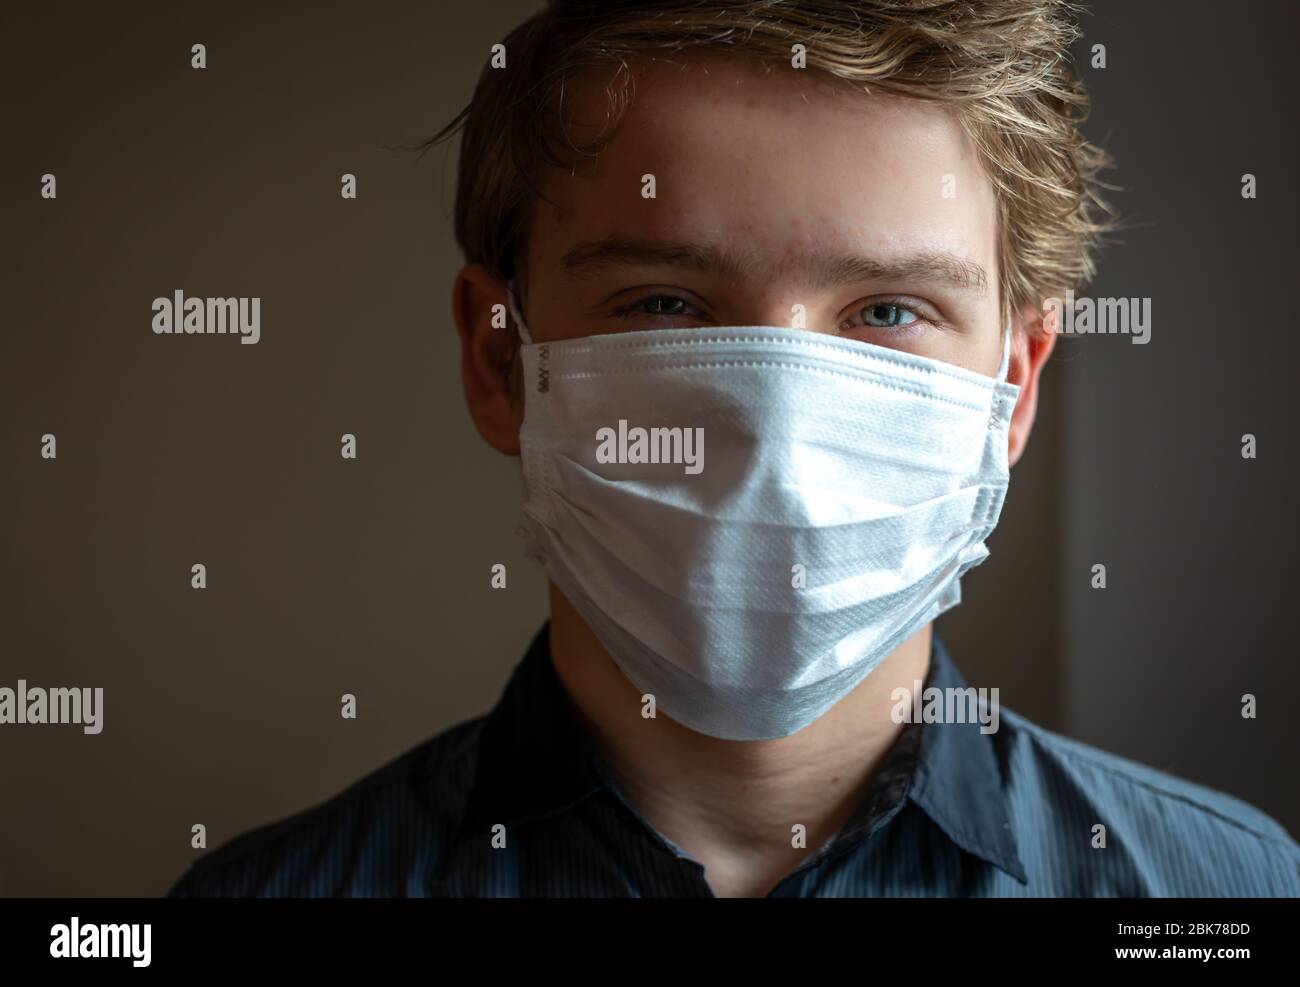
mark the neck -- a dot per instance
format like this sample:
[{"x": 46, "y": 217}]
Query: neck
[{"x": 730, "y": 804}]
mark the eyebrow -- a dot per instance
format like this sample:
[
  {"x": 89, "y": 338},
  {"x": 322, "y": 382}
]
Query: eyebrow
[{"x": 816, "y": 268}]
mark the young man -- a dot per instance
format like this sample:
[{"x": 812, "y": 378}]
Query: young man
[{"x": 776, "y": 277}]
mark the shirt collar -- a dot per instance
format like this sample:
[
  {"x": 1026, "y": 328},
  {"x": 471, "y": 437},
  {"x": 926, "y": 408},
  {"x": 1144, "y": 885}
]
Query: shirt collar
[
  {"x": 536, "y": 759},
  {"x": 534, "y": 756},
  {"x": 959, "y": 782}
]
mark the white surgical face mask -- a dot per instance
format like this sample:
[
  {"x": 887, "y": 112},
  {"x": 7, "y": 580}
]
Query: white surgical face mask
[{"x": 816, "y": 506}]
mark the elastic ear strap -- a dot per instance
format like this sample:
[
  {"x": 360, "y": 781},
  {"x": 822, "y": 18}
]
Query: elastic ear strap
[
  {"x": 515, "y": 313},
  {"x": 1006, "y": 351}
]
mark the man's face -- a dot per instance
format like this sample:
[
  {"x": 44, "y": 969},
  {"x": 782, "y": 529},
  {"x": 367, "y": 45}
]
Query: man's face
[{"x": 770, "y": 191}]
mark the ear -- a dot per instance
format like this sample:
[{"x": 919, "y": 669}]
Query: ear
[
  {"x": 488, "y": 344},
  {"x": 1032, "y": 343}
]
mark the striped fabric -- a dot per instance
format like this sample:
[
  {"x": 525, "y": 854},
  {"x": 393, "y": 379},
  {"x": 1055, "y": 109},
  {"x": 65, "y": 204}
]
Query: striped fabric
[{"x": 953, "y": 812}]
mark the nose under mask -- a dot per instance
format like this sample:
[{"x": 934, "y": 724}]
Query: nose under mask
[{"x": 751, "y": 518}]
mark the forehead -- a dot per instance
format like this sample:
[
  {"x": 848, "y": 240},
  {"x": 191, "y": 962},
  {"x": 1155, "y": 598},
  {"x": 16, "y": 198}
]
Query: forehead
[{"x": 765, "y": 159}]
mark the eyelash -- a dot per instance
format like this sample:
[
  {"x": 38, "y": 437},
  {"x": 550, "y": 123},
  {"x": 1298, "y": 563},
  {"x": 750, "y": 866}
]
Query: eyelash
[{"x": 631, "y": 309}]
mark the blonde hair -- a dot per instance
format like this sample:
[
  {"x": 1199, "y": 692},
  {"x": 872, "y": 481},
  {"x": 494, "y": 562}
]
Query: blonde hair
[{"x": 1002, "y": 65}]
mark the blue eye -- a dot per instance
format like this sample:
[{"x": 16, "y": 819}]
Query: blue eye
[
  {"x": 666, "y": 305},
  {"x": 888, "y": 314}
]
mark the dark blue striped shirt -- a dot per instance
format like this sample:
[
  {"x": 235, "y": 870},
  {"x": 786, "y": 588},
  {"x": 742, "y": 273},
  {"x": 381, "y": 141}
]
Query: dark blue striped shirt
[{"x": 952, "y": 812}]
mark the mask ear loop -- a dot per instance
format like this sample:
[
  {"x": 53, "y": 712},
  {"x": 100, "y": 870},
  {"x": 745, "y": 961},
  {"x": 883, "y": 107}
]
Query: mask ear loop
[
  {"x": 1005, "y": 365},
  {"x": 515, "y": 314}
]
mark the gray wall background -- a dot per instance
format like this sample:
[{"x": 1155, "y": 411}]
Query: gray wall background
[
  {"x": 370, "y": 577},
  {"x": 1200, "y": 545}
]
